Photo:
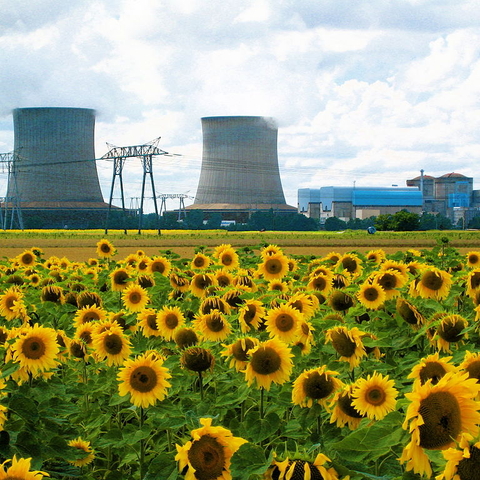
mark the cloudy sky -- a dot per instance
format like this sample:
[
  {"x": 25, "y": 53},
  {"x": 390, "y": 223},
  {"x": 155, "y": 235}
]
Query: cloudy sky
[{"x": 364, "y": 91}]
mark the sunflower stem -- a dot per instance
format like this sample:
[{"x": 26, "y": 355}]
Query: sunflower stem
[
  {"x": 200, "y": 383},
  {"x": 262, "y": 394},
  {"x": 142, "y": 445}
]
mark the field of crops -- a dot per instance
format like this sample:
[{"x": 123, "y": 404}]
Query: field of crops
[{"x": 262, "y": 355}]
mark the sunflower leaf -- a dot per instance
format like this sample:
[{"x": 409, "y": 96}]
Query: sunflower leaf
[{"x": 249, "y": 460}]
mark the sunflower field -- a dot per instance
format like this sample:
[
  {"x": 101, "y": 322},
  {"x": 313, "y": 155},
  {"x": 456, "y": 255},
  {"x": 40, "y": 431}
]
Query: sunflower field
[{"x": 240, "y": 363}]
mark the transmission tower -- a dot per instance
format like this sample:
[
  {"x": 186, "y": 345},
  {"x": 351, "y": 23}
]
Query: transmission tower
[
  {"x": 119, "y": 155},
  {"x": 10, "y": 204}
]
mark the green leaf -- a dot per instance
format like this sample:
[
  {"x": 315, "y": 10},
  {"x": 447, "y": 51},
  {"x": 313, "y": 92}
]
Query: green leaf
[
  {"x": 259, "y": 429},
  {"x": 162, "y": 466},
  {"x": 248, "y": 460}
]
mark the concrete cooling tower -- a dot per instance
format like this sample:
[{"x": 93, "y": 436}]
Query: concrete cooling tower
[
  {"x": 240, "y": 165},
  {"x": 55, "y": 164}
]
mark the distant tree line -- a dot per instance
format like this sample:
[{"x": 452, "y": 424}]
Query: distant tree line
[{"x": 401, "y": 221}]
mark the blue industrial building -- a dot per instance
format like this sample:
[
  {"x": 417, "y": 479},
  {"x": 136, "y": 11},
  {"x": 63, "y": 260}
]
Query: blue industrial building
[{"x": 357, "y": 202}]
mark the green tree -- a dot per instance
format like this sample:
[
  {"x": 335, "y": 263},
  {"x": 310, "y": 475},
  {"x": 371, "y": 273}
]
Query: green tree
[
  {"x": 384, "y": 222},
  {"x": 334, "y": 223},
  {"x": 405, "y": 221}
]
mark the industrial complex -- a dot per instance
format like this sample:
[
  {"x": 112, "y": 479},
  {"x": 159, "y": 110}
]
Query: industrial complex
[{"x": 53, "y": 175}]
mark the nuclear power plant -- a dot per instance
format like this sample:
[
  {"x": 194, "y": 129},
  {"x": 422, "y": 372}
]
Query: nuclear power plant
[
  {"x": 239, "y": 171},
  {"x": 54, "y": 171}
]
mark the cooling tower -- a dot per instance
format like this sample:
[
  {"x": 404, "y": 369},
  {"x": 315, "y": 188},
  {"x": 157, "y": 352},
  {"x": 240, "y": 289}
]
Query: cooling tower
[
  {"x": 239, "y": 164},
  {"x": 55, "y": 164}
]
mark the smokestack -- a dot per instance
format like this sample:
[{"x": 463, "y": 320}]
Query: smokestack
[
  {"x": 240, "y": 163},
  {"x": 55, "y": 156}
]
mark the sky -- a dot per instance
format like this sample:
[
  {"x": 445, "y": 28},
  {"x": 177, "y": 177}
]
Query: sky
[{"x": 364, "y": 92}]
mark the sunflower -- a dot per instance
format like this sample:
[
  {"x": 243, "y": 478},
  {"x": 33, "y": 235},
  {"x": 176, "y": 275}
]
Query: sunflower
[
  {"x": 473, "y": 259},
  {"x": 84, "y": 446},
  {"x": 371, "y": 295},
  {"x": 473, "y": 283},
  {"x": 219, "y": 249},
  {"x": 431, "y": 368},
  {"x": 463, "y": 461},
  {"x": 78, "y": 350},
  {"x": 208, "y": 455},
  {"x": 347, "y": 343},
  {"x": 159, "y": 264},
  {"x": 270, "y": 361},
  {"x": 112, "y": 345},
  {"x": 11, "y": 303},
  {"x": 26, "y": 259},
  {"x": 301, "y": 469},
  {"x": 283, "y": 323},
  {"x": 131, "y": 260},
  {"x": 332, "y": 258},
  {"x": 89, "y": 314},
  {"x": 390, "y": 280},
  {"x": 376, "y": 256},
  {"x": 168, "y": 320},
  {"x": 120, "y": 278},
  {"x": 200, "y": 261},
  {"x": 105, "y": 249},
  {"x": 239, "y": 352},
  {"x": 84, "y": 333},
  {"x": 340, "y": 301},
  {"x": 185, "y": 337},
  {"x": 315, "y": 385},
  {"x": 135, "y": 298},
  {"x": 228, "y": 258},
  {"x": 409, "y": 312},
  {"x": 374, "y": 396},
  {"x": 89, "y": 299},
  {"x": 351, "y": 263},
  {"x": 399, "y": 267},
  {"x": 142, "y": 264},
  {"x": 214, "y": 302},
  {"x": 343, "y": 411},
  {"x": 305, "y": 338},
  {"x": 213, "y": 326},
  {"x": 450, "y": 330},
  {"x": 36, "y": 349},
  {"x": 244, "y": 280},
  {"x": 305, "y": 303},
  {"x": 201, "y": 283},
  {"x": 20, "y": 470},
  {"x": 224, "y": 278},
  {"x": 471, "y": 364},
  {"x": 197, "y": 359},
  {"x": 145, "y": 379},
  {"x": 270, "y": 250},
  {"x": 320, "y": 282},
  {"x": 434, "y": 283},
  {"x": 274, "y": 266},
  {"x": 250, "y": 315},
  {"x": 147, "y": 321},
  {"x": 436, "y": 417},
  {"x": 178, "y": 282},
  {"x": 278, "y": 285}
]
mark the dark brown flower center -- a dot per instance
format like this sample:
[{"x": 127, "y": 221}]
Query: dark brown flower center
[
  {"x": 469, "y": 468},
  {"x": 143, "y": 379},
  {"x": 113, "y": 343},
  {"x": 157, "y": 266},
  {"x": 432, "y": 280},
  {"x": 227, "y": 259},
  {"x": 371, "y": 294},
  {"x": 474, "y": 370},
  {"x": 474, "y": 280},
  {"x": 33, "y": 348},
  {"x": 349, "y": 264},
  {"x": 265, "y": 361},
  {"x": 343, "y": 344},
  {"x": 197, "y": 359},
  {"x": 250, "y": 313},
  {"x": 345, "y": 405},
  {"x": 318, "y": 386},
  {"x": 388, "y": 281},
  {"x": 441, "y": 415},
  {"x": 340, "y": 301},
  {"x": 171, "y": 321},
  {"x": 284, "y": 322},
  {"x": 240, "y": 349},
  {"x": 375, "y": 395},
  {"x": 185, "y": 337},
  {"x": 134, "y": 297},
  {"x": 450, "y": 329},
  {"x": 319, "y": 283},
  {"x": 432, "y": 371},
  {"x": 273, "y": 265},
  {"x": 207, "y": 457},
  {"x": 215, "y": 322},
  {"x": 120, "y": 277},
  {"x": 152, "y": 321}
]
